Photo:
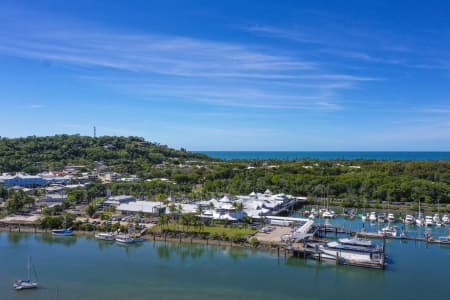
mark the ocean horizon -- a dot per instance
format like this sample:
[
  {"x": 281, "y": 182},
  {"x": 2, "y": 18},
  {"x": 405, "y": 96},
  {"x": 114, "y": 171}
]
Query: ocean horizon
[{"x": 325, "y": 155}]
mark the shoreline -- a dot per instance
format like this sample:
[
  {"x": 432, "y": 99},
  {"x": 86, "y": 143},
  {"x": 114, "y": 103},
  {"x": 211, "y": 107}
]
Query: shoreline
[{"x": 186, "y": 239}]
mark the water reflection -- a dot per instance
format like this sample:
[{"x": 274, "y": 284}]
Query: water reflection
[{"x": 61, "y": 240}]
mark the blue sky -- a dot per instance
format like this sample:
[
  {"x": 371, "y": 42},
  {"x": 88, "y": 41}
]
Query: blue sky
[{"x": 230, "y": 75}]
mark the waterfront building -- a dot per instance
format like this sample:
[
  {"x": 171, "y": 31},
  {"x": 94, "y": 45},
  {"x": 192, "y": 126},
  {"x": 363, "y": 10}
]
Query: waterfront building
[
  {"x": 146, "y": 207},
  {"x": 22, "y": 180},
  {"x": 118, "y": 200}
]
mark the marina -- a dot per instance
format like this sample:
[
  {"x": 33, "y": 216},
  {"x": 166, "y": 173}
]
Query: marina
[{"x": 172, "y": 270}]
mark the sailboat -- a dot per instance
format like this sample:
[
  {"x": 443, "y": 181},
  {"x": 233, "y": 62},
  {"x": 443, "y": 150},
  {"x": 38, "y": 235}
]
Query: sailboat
[
  {"x": 23, "y": 284},
  {"x": 420, "y": 220}
]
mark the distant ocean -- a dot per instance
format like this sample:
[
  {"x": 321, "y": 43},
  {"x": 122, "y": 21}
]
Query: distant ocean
[{"x": 324, "y": 155}]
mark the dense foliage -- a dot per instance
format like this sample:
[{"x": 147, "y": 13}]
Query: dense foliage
[
  {"x": 196, "y": 176},
  {"x": 128, "y": 154}
]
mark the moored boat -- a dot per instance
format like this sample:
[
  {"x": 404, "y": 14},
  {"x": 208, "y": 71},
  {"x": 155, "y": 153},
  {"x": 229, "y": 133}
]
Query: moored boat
[
  {"x": 388, "y": 231},
  {"x": 23, "y": 284},
  {"x": 373, "y": 216},
  {"x": 62, "y": 232},
  {"x": 356, "y": 242},
  {"x": 429, "y": 221},
  {"x": 409, "y": 219},
  {"x": 106, "y": 236}
]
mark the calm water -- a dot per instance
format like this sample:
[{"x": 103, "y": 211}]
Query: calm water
[
  {"x": 83, "y": 268},
  {"x": 292, "y": 155}
]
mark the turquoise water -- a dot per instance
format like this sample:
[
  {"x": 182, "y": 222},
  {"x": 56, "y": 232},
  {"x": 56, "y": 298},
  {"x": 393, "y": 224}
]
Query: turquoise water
[
  {"x": 323, "y": 155},
  {"x": 84, "y": 268}
]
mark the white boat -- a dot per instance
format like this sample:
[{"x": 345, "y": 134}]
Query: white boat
[
  {"x": 23, "y": 284},
  {"x": 436, "y": 218},
  {"x": 373, "y": 216},
  {"x": 391, "y": 217},
  {"x": 106, "y": 236},
  {"x": 364, "y": 217},
  {"x": 388, "y": 231},
  {"x": 124, "y": 239},
  {"x": 335, "y": 250},
  {"x": 127, "y": 239},
  {"x": 311, "y": 216},
  {"x": 420, "y": 221},
  {"x": 381, "y": 218},
  {"x": 445, "y": 219},
  {"x": 328, "y": 214},
  {"x": 429, "y": 221},
  {"x": 356, "y": 242},
  {"x": 62, "y": 232},
  {"x": 409, "y": 219}
]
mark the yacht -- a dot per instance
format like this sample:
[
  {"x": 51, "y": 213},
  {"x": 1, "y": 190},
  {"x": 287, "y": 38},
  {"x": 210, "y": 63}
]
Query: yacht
[
  {"x": 388, "y": 231},
  {"x": 429, "y": 221},
  {"x": 62, "y": 232},
  {"x": 381, "y": 218},
  {"x": 409, "y": 219},
  {"x": 356, "y": 242},
  {"x": 373, "y": 216},
  {"x": 391, "y": 217},
  {"x": 335, "y": 250},
  {"x": 328, "y": 214},
  {"x": 420, "y": 220},
  {"x": 445, "y": 219},
  {"x": 365, "y": 217},
  {"x": 106, "y": 236},
  {"x": 23, "y": 284},
  {"x": 436, "y": 218}
]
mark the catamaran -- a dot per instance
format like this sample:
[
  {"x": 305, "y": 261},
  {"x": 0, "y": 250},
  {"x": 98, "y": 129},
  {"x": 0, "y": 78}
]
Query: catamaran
[{"x": 23, "y": 284}]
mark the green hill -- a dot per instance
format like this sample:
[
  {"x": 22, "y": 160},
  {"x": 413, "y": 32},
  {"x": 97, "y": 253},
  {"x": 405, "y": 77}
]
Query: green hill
[{"x": 33, "y": 154}]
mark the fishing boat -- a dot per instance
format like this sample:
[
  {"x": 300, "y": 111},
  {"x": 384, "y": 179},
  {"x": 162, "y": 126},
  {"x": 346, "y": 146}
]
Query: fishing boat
[
  {"x": 62, "y": 232},
  {"x": 373, "y": 216},
  {"x": 388, "y": 231},
  {"x": 23, "y": 284},
  {"x": 409, "y": 219},
  {"x": 106, "y": 236},
  {"x": 429, "y": 221}
]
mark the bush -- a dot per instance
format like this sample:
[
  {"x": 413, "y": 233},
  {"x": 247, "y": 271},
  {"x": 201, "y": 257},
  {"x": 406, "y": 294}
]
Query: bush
[{"x": 254, "y": 242}]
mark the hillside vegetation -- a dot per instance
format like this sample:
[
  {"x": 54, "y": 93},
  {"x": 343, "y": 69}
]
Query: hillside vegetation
[{"x": 32, "y": 154}]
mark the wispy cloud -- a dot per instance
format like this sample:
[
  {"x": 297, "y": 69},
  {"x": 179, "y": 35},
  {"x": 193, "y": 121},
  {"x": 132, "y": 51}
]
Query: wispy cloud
[{"x": 189, "y": 69}]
